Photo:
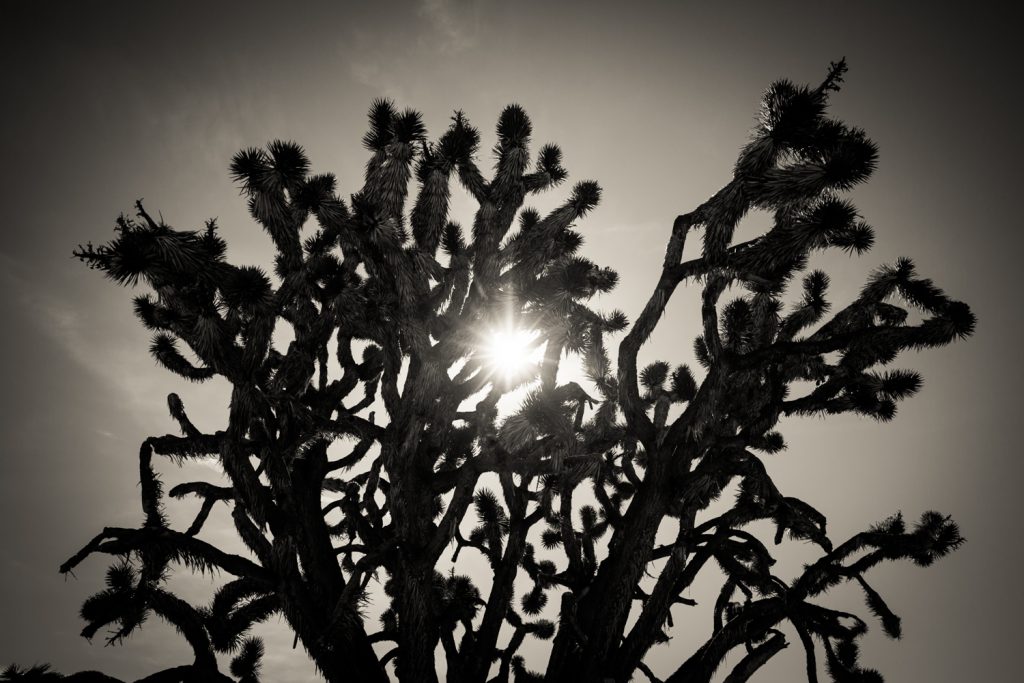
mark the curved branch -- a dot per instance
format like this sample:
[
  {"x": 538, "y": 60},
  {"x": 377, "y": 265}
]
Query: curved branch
[
  {"x": 184, "y": 548},
  {"x": 756, "y": 658}
]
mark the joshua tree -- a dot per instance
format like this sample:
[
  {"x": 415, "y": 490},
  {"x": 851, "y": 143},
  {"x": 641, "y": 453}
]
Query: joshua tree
[{"x": 392, "y": 320}]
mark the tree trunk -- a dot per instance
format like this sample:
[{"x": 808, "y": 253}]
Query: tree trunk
[
  {"x": 478, "y": 664},
  {"x": 417, "y": 629},
  {"x": 411, "y": 505},
  {"x": 602, "y": 612}
]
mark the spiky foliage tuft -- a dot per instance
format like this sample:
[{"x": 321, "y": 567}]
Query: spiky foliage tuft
[
  {"x": 654, "y": 375},
  {"x": 247, "y": 663},
  {"x": 382, "y": 120}
]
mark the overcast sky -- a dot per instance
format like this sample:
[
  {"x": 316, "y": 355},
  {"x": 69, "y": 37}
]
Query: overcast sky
[{"x": 107, "y": 102}]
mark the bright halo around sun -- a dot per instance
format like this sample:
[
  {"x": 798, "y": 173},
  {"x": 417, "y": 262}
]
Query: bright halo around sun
[{"x": 511, "y": 352}]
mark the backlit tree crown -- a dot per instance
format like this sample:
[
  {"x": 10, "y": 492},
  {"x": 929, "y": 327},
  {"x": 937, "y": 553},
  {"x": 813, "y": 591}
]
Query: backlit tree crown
[{"x": 390, "y": 307}]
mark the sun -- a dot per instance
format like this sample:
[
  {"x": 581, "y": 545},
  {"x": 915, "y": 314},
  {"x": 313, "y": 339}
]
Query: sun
[{"x": 511, "y": 352}]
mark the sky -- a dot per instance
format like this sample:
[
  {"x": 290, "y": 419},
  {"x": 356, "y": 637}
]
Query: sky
[{"x": 107, "y": 102}]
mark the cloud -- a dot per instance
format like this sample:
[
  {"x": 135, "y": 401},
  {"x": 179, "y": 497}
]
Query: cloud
[
  {"x": 106, "y": 352},
  {"x": 435, "y": 33},
  {"x": 455, "y": 22},
  {"x": 377, "y": 77},
  {"x": 55, "y": 317},
  {"x": 109, "y": 435}
]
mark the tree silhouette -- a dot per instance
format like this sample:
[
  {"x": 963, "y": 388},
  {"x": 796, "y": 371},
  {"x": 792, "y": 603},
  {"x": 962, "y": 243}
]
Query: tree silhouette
[{"x": 376, "y": 332}]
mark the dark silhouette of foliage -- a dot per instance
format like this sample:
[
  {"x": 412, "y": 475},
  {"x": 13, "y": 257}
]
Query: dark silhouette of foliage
[
  {"x": 42, "y": 673},
  {"x": 388, "y": 306}
]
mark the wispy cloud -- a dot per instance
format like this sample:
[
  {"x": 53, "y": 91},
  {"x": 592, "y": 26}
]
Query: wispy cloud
[
  {"x": 69, "y": 327},
  {"x": 374, "y": 74},
  {"x": 455, "y": 22},
  {"x": 391, "y": 62},
  {"x": 56, "y": 317},
  {"x": 109, "y": 435}
]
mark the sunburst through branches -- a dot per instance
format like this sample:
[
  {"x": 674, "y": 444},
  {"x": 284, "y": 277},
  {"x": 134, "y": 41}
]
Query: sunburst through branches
[{"x": 511, "y": 352}]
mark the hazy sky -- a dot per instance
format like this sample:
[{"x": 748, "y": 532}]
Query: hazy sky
[{"x": 107, "y": 102}]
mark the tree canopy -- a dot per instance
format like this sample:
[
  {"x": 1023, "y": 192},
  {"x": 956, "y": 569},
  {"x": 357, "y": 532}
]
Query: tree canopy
[{"x": 363, "y": 446}]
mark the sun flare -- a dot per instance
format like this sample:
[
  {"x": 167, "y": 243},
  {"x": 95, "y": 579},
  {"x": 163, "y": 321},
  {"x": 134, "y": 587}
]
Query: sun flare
[{"x": 512, "y": 351}]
